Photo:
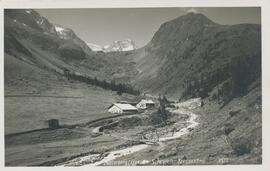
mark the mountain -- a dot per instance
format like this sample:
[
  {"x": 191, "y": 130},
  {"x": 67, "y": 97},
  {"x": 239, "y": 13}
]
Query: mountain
[
  {"x": 120, "y": 46},
  {"x": 116, "y": 46},
  {"x": 191, "y": 56},
  {"x": 31, "y": 38}
]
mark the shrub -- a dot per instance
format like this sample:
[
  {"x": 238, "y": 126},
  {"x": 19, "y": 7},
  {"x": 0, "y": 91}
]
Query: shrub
[
  {"x": 234, "y": 112},
  {"x": 242, "y": 146},
  {"x": 228, "y": 128}
]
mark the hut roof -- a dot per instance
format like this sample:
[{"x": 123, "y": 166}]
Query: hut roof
[{"x": 124, "y": 106}]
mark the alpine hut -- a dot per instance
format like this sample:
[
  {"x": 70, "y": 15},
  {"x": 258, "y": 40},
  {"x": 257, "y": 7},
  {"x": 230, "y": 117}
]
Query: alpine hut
[
  {"x": 144, "y": 104},
  {"x": 122, "y": 108}
]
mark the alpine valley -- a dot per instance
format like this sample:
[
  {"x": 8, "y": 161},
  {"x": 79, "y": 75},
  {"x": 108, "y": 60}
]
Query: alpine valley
[{"x": 50, "y": 72}]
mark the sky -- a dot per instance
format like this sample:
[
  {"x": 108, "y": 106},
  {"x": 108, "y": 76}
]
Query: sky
[{"x": 102, "y": 26}]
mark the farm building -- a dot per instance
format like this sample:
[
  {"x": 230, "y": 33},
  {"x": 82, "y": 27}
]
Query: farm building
[
  {"x": 121, "y": 108},
  {"x": 144, "y": 104}
]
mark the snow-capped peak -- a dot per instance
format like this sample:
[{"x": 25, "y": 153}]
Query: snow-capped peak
[{"x": 116, "y": 46}]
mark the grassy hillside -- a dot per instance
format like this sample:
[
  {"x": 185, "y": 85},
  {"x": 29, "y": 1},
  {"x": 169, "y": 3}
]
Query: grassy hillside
[{"x": 24, "y": 81}]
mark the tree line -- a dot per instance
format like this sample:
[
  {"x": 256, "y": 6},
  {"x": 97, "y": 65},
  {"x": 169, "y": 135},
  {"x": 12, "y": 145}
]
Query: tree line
[
  {"x": 120, "y": 88},
  {"x": 231, "y": 80}
]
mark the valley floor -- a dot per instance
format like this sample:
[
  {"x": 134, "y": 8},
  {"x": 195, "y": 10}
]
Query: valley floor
[{"x": 204, "y": 143}]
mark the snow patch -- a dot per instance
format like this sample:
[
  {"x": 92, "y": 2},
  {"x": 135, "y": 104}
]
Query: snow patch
[
  {"x": 61, "y": 32},
  {"x": 40, "y": 21},
  {"x": 28, "y": 11},
  {"x": 59, "y": 29},
  {"x": 95, "y": 47},
  {"x": 106, "y": 46}
]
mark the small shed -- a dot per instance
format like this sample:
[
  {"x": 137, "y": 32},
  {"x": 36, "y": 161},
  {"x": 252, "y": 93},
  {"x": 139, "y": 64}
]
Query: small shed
[
  {"x": 145, "y": 104},
  {"x": 121, "y": 108}
]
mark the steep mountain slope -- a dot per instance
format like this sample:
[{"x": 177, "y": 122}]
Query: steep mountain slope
[
  {"x": 33, "y": 39},
  {"x": 68, "y": 34},
  {"x": 31, "y": 18},
  {"x": 191, "y": 55}
]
